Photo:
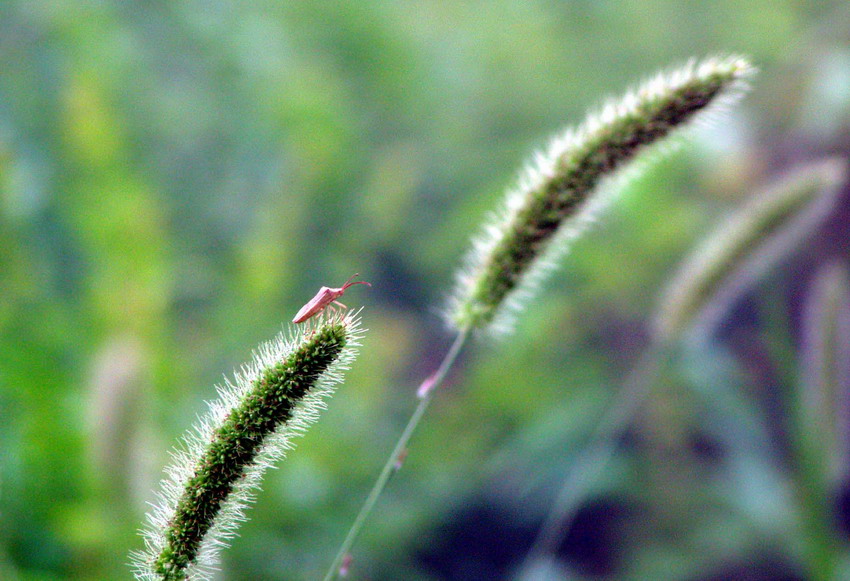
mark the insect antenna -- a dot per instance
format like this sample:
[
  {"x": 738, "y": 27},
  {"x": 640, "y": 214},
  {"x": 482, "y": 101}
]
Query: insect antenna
[{"x": 348, "y": 283}]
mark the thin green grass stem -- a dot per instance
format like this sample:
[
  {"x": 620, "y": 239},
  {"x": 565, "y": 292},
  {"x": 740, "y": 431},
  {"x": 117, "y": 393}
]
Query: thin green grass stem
[
  {"x": 594, "y": 457},
  {"x": 809, "y": 474},
  {"x": 392, "y": 464}
]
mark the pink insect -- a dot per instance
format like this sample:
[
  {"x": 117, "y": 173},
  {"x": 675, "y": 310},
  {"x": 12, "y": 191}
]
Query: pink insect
[{"x": 326, "y": 297}]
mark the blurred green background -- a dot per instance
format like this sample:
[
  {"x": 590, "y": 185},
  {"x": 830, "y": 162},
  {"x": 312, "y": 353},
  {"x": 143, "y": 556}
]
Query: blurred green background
[{"x": 178, "y": 178}]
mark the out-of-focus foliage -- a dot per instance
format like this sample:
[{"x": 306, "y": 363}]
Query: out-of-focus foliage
[{"x": 177, "y": 178}]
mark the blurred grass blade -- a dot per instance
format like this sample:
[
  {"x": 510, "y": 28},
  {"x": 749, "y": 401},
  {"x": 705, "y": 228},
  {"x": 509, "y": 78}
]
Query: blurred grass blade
[
  {"x": 825, "y": 367},
  {"x": 746, "y": 246}
]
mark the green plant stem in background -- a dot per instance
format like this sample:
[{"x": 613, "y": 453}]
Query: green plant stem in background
[
  {"x": 824, "y": 397},
  {"x": 818, "y": 413},
  {"x": 822, "y": 546},
  {"x": 426, "y": 392},
  {"x": 553, "y": 202},
  {"x": 763, "y": 230},
  {"x": 213, "y": 478},
  {"x": 593, "y": 457}
]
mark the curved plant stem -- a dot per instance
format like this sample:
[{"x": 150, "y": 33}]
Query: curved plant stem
[
  {"x": 426, "y": 393},
  {"x": 594, "y": 456}
]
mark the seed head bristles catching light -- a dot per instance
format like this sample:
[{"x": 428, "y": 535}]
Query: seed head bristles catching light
[
  {"x": 217, "y": 470},
  {"x": 746, "y": 246},
  {"x": 559, "y": 192}
]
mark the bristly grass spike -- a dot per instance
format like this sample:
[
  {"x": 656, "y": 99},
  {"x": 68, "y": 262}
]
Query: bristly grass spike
[{"x": 326, "y": 297}]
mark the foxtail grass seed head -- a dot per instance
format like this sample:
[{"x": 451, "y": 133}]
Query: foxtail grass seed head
[
  {"x": 825, "y": 369},
  {"x": 744, "y": 247},
  {"x": 116, "y": 409},
  {"x": 557, "y": 193},
  {"x": 218, "y": 468}
]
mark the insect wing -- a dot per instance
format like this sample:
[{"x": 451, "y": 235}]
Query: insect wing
[
  {"x": 315, "y": 305},
  {"x": 323, "y": 298}
]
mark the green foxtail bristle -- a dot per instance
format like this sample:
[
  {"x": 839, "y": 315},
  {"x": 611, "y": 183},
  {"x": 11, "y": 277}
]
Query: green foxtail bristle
[
  {"x": 557, "y": 192},
  {"x": 215, "y": 475}
]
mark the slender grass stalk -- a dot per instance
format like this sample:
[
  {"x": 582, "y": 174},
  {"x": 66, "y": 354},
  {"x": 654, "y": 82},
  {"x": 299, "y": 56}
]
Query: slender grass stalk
[
  {"x": 592, "y": 458},
  {"x": 755, "y": 237},
  {"x": 216, "y": 473},
  {"x": 824, "y": 398},
  {"x": 819, "y": 414},
  {"x": 393, "y": 464},
  {"x": 555, "y": 198}
]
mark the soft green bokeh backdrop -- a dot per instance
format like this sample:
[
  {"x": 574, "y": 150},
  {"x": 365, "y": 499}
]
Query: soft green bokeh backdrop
[{"x": 177, "y": 178}]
